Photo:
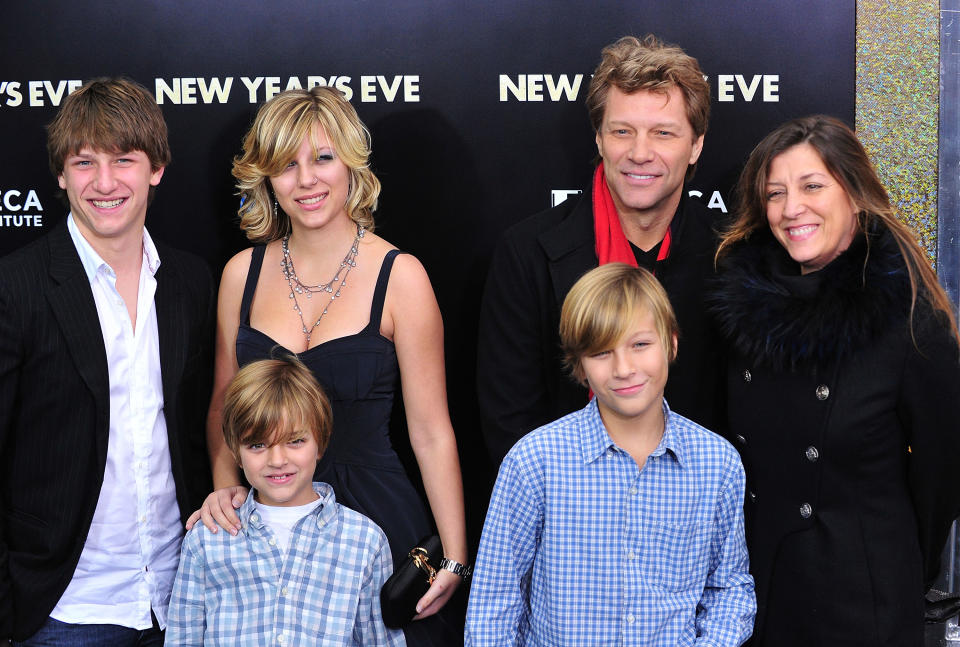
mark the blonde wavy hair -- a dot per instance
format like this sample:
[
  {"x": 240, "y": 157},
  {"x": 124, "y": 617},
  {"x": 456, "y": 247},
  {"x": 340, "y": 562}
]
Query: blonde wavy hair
[{"x": 273, "y": 140}]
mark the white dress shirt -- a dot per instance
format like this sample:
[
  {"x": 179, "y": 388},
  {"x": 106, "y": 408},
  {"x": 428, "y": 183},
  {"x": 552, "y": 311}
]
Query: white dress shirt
[{"x": 132, "y": 550}]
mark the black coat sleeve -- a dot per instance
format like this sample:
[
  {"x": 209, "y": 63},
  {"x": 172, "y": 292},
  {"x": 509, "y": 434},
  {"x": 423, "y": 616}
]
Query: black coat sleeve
[
  {"x": 510, "y": 381},
  {"x": 929, "y": 409},
  {"x": 9, "y": 381}
]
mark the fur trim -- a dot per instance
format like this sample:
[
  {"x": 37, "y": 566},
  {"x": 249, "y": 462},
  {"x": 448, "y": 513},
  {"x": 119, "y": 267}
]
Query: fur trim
[{"x": 776, "y": 317}]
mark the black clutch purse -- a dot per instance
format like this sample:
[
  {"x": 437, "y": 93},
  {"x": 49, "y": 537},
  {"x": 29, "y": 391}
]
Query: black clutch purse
[{"x": 410, "y": 580}]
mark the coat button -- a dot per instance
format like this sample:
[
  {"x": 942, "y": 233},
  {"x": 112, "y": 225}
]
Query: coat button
[
  {"x": 812, "y": 454},
  {"x": 823, "y": 392},
  {"x": 806, "y": 510},
  {"x": 747, "y": 377},
  {"x": 752, "y": 496},
  {"x": 741, "y": 440}
]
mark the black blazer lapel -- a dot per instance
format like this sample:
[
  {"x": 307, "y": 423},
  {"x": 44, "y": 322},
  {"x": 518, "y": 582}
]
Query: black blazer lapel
[
  {"x": 570, "y": 248},
  {"x": 72, "y": 304},
  {"x": 171, "y": 327}
]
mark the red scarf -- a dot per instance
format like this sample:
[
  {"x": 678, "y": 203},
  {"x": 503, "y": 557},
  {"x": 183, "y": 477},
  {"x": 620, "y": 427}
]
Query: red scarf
[{"x": 611, "y": 245}]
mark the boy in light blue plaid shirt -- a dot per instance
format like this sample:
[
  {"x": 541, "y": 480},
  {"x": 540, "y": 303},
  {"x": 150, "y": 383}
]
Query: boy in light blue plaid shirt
[
  {"x": 303, "y": 570},
  {"x": 621, "y": 523}
]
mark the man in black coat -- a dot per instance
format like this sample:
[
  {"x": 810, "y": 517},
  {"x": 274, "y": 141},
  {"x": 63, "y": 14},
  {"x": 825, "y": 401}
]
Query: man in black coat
[
  {"x": 105, "y": 344},
  {"x": 649, "y": 105}
]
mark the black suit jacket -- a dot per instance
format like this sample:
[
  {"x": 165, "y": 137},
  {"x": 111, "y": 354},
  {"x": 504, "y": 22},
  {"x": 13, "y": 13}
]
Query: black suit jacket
[
  {"x": 521, "y": 382},
  {"x": 55, "y": 409}
]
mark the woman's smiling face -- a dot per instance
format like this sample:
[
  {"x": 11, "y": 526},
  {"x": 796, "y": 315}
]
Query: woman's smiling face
[{"x": 808, "y": 211}]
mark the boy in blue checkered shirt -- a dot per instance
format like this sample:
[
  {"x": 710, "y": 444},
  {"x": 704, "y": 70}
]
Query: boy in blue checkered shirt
[
  {"x": 303, "y": 570},
  {"x": 621, "y": 523}
]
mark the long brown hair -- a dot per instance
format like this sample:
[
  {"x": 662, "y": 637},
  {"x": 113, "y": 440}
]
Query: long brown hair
[{"x": 847, "y": 161}]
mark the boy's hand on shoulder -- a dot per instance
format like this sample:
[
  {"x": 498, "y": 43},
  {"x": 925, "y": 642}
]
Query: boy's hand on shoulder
[
  {"x": 438, "y": 594},
  {"x": 219, "y": 510}
]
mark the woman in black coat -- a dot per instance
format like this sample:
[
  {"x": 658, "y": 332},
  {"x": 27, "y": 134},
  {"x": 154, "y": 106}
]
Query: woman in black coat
[{"x": 844, "y": 394}]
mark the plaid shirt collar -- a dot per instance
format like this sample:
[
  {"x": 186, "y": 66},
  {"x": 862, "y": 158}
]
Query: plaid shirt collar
[
  {"x": 596, "y": 442},
  {"x": 323, "y": 514}
]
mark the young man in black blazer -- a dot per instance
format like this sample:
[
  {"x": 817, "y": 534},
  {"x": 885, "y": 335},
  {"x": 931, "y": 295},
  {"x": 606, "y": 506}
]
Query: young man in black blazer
[{"x": 104, "y": 381}]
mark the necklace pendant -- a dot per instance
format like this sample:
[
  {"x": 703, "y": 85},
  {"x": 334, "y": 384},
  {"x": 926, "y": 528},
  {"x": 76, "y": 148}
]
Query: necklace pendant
[{"x": 299, "y": 287}]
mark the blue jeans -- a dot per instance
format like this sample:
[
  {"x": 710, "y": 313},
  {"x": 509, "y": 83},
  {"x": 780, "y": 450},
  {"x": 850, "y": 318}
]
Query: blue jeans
[{"x": 54, "y": 633}]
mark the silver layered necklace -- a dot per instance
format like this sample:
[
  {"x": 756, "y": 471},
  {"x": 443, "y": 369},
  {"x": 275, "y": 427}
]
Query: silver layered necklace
[{"x": 299, "y": 287}]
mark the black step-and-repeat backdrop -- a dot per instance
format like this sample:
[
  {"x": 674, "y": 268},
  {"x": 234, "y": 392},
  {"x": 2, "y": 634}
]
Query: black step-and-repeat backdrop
[{"x": 476, "y": 110}]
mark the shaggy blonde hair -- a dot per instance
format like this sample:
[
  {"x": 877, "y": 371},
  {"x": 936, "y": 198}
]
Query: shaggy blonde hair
[
  {"x": 273, "y": 140},
  {"x": 602, "y": 306},
  {"x": 269, "y": 401}
]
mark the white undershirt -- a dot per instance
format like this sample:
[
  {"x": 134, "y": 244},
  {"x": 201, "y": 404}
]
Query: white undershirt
[
  {"x": 282, "y": 519},
  {"x": 132, "y": 550}
]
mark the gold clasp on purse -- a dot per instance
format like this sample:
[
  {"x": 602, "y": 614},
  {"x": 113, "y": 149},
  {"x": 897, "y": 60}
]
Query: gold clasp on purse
[{"x": 422, "y": 561}]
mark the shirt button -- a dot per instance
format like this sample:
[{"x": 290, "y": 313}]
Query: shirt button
[
  {"x": 634, "y": 490},
  {"x": 823, "y": 392},
  {"x": 812, "y": 454},
  {"x": 630, "y": 554},
  {"x": 281, "y": 639},
  {"x": 273, "y": 541},
  {"x": 747, "y": 377},
  {"x": 283, "y": 592},
  {"x": 806, "y": 510},
  {"x": 254, "y": 518},
  {"x": 631, "y": 618}
]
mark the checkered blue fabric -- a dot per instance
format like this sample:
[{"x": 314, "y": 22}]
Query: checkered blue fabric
[
  {"x": 582, "y": 547},
  {"x": 242, "y": 592}
]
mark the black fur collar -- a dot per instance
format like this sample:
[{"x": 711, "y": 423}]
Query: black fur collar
[{"x": 776, "y": 317}]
